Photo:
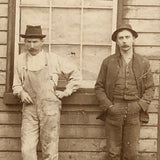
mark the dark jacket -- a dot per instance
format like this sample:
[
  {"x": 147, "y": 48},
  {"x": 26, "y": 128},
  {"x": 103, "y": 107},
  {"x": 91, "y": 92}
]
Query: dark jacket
[{"x": 107, "y": 77}]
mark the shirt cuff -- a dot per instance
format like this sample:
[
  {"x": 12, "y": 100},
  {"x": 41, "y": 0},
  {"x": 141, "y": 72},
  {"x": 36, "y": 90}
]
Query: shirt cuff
[
  {"x": 67, "y": 92},
  {"x": 17, "y": 90}
]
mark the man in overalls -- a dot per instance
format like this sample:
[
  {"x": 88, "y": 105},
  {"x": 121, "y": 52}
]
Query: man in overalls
[
  {"x": 35, "y": 80},
  {"x": 124, "y": 89}
]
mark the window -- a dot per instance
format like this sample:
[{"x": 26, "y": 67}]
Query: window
[{"x": 78, "y": 29}]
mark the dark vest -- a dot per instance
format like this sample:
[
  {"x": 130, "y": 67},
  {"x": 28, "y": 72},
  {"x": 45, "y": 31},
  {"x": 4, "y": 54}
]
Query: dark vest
[{"x": 125, "y": 86}]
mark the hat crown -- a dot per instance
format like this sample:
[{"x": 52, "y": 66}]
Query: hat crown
[
  {"x": 33, "y": 30},
  {"x": 124, "y": 26}
]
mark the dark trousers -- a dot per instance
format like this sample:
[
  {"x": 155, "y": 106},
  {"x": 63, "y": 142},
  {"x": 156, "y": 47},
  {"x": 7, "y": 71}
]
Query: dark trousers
[{"x": 123, "y": 130}]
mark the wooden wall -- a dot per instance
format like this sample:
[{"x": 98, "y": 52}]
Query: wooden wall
[
  {"x": 3, "y": 43},
  {"x": 81, "y": 135},
  {"x": 3, "y": 55}
]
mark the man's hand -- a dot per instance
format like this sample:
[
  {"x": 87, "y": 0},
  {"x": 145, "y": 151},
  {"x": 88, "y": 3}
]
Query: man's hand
[
  {"x": 61, "y": 94},
  {"x": 25, "y": 98}
]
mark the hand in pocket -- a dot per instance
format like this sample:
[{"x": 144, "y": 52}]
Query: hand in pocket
[
  {"x": 115, "y": 109},
  {"x": 134, "y": 107}
]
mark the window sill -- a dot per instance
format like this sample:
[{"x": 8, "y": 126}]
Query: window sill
[{"x": 84, "y": 96}]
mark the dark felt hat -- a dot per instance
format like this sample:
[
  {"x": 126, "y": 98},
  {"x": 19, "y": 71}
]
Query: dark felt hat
[
  {"x": 33, "y": 32},
  {"x": 124, "y": 27}
]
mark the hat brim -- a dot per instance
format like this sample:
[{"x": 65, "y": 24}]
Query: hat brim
[
  {"x": 32, "y": 36},
  {"x": 114, "y": 35}
]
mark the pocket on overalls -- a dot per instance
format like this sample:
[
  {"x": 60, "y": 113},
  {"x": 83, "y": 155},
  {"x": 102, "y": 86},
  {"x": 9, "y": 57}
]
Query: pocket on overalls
[{"x": 51, "y": 107}]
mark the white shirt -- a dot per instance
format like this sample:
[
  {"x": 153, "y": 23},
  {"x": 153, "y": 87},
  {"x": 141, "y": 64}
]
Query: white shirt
[{"x": 37, "y": 62}]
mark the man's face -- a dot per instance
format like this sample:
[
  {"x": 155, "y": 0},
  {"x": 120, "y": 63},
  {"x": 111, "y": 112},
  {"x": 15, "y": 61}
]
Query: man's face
[
  {"x": 34, "y": 45},
  {"x": 125, "y": 40}
]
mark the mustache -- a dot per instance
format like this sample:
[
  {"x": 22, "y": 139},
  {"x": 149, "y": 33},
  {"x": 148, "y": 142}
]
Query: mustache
[
  {"x": 125, "y": 46},
  {"x": 31, "y": 49}
]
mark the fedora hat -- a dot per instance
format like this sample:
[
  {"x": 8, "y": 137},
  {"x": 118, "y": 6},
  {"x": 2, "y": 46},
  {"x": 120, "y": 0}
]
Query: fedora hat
[
  {"x": 33, "y": 32},
  {"x": 124, "y": 27}
]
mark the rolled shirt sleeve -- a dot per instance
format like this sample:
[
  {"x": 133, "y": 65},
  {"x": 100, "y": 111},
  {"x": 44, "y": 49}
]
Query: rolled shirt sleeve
[
  {"x": 17, "y": 86},
  {"x": 74, "y": 77}
]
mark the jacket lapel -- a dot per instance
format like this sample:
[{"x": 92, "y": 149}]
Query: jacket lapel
[{"x": 137, "y": 67}]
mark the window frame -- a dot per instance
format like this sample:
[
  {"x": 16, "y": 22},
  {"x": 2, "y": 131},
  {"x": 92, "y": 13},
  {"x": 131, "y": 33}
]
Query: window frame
[{"x": 8, "y": 96}]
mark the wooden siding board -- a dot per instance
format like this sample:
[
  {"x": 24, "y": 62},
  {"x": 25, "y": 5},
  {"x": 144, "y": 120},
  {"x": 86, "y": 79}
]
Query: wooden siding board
[
  {"x": 153, "y": 119},
  {"x": 3, "y": 51},
  {"x": 156, "y": 79},
  {"x": 141, "y": 12},
  {"x": 3, "y": 1},
  {"x": 2, "y": 90},
  {"x": 8, "y": 108},
  {"x": 77, "y": 117},
  {"x": 148, "y": 39},
  {"x": 147, "y": 156},
  {"x": 12, "y": 131},
  {"x": 78, "y": 145},
  {"x": 155, "y": 96},
  {"x": 148, "y": 132},
  {"x": 3, "y": 9},
  {"x": 153, "y": 107},
  {"x": 148, "y": 145},
  {"x": 91, "y": 131},
  {"x": 2, "y": 77},
  {"x": 158, "y": 140},
  {"x": 82, "y": 155},
  {"x": 142, "y": 2},
  {"x": 4, "y": 39},
  {"x": 155, "y": 66},
  {"x": 148, "y": 50},
  {"x": 74, "y": 156},
  {"x": 144, "y": 25},
  {"x": 78, "y": 131},
  {"x": 3, "y": 23},
  {"x": 83, "y": 131},
  {"x": 2, "y": 64}
]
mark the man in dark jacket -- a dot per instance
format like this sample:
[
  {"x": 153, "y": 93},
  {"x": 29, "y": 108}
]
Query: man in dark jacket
[{"x": 124, "y": 89}]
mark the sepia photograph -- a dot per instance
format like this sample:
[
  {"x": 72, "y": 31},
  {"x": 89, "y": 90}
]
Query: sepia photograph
[{"x": 79, "y": 79}]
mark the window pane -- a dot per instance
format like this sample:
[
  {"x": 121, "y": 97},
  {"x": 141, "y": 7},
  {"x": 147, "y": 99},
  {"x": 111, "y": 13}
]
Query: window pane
[
  {"x": 66, "y": 26},
  {"x": 38, "y": 2},
  {"x": 67, "y": 2},
  {"x": 97, "y": 26},
  {"x": 92, "y": 59},
  {"x": 72, "y": 52},
  {"x": 98, "y": 3},
  {"x": 35, "y": 16}
]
